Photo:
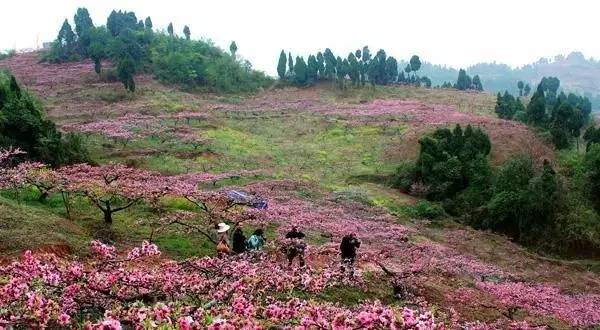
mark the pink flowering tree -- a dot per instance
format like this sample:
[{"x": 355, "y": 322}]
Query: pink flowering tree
[{"x": 113, "y": 188}]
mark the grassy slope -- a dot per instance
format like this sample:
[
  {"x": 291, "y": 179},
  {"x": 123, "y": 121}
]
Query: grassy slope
[{"x": 336, "y": 153}]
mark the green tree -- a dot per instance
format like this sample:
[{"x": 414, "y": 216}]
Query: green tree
[
  {"x": 233, "y": 49},
  {"x": 526, "y": 90},
  {"x": 391, "y": 69},
  {"x": 536, "y": 109},
  {"x": 281, "y": 65},
  {"x": 321, "y": 65},
  {"x": 366, "y": 54},
  {"x": 506, "y": 106},
  {"x": 291, "y": 63},
  {"x": 186, "y": 32},
  {"x": 330, "y": 64},
  {"x": 520, "y": 85},
  {"x": 312, "y": 69},
  {"x": 464, "y": 81},
  {"x": 300, "y": 72},
  {"x": 148, "y": 23},
  {"x": 444, "y": 159},
  {"x": 125, "y": 72},
  {"x": 415, "y": 64},
  {"x": 354, "y": 70},
  {"x": 119, "y": 21},
  {"x": 477, "y": 83},
  {"x": 591, "y": 136},
  {"x": 592, "y": 166},
  {"x": 83, "y": 22},
  {"x": 170, "y": 29},
  {"x": 358, "y": 54}
]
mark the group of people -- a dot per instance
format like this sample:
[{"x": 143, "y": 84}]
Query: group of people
[
  {"x": 294, "y": 248},
  {"x": 239, "y": 243}
]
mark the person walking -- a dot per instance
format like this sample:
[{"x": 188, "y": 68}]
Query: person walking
[
  {"x": 296, "y": 246},
  {"x": 348, "y": 249}
]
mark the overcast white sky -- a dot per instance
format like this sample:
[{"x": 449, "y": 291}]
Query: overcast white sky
[{"x": 457, "y": 32}]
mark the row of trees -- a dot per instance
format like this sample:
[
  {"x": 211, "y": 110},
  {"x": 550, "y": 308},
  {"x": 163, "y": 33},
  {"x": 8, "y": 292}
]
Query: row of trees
[
  {"x": 526, "y": 202},
  {"x": 358, "y": 67},
  {"x": 562, "y": 116},
  {"x": 133, "y": 46},
  {"x": 465, "y": 82}
]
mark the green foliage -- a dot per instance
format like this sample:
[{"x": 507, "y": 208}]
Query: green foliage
[
  {"x": 312, "y": 69},
  {"x": 464, "y": 81},
  {"x": 300, "y": 72},
  {"x": 170, "y": 29},
  {"x": 426, "y": 210},
  {"x": 23, "y": 125},
  {"x": 281, "y": 65},
  {"x": 415, "y": 63},
  {"x": 507, "y": 106},
  {"x": 290, "y": 63},
  {"x": 536, "y": 109},
  {"x": 121, "y": 20},
  {"x": 148, "y": 23},
  {"x": 591, "y": 136},
  {"x": 232, "y": 48},
  {"x": 520, "y": 86},
  {"x": 524, "y": 203},
  {"x": 186, "y": 32},
  {"x": 477, "y": 83},
  {"x": 592, "y": 166},
  {"x": 445, "y": 158},
  {"x": 526, "y": 90}
]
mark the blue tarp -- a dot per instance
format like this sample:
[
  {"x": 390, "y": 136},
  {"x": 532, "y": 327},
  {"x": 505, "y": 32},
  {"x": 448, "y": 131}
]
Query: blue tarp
[{"x": 243, "y": 198}]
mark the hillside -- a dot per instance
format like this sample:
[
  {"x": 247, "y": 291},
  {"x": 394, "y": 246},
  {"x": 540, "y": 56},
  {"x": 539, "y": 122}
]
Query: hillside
[
  {"x": 576, "y": 73},
  {"x": 322, "y": 158}
]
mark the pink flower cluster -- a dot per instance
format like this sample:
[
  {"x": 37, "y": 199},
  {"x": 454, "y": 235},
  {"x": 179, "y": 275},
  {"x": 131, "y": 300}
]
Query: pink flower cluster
[
  {"x": 211, "y": 293},
  {"x": 579, "y": 310}
]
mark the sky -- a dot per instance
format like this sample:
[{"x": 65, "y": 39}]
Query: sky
[{"x": 457, "y": 33}]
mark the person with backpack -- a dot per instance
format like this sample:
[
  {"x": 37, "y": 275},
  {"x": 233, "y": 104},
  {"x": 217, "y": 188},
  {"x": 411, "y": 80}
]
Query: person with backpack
[
  {"x": 295, "y": 247},
  {"x": 238, "y": 240},
  {"x": 348, "y": 249},
  {"x": 256, "y": 241}
]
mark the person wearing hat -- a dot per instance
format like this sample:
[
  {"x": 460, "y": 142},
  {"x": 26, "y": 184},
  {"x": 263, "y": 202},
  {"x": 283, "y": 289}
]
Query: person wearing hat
[{"x": 223, "y": 239}]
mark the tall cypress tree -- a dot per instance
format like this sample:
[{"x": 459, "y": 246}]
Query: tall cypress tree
[
  {"x": 148, "y": 23},
  {"x": 281, "y": 65},
  {"x": 170, "y": 29},
  {"x": 186, "y": 32},
  {"x": 300, "y": 71},
  {"x": 291, "y": 63}
]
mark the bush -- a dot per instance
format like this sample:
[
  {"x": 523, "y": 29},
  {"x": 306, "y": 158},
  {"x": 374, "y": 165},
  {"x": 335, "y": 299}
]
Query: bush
[
  {"x": 426, "y": 210},
  {"x": 7, "y": 54}
]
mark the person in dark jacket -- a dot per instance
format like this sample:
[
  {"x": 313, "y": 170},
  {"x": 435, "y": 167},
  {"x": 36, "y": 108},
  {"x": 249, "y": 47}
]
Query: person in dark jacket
[
  {"x": 238, "y": 240},
  {"x": 296, "y": 246},
  {"x": 348, "y": 251}
]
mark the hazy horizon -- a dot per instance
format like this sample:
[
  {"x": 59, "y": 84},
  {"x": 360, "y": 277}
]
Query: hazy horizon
[{"x": 456, "y": 34}]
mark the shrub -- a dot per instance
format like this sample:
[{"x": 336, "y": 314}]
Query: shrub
[{"x": 427, "y": 210}]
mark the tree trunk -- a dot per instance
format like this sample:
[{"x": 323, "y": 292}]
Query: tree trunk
[
  {"x": 107, "y": 214},
  {"x": 107, "y": 217}
]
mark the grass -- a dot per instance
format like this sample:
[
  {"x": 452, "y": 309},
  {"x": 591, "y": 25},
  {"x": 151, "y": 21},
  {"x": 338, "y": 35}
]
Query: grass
[{"x": 24, "y": 227}]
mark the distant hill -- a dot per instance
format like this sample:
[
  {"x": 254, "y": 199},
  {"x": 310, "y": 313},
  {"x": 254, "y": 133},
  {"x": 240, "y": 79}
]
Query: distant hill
[{"x": 576, "y": 73}]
